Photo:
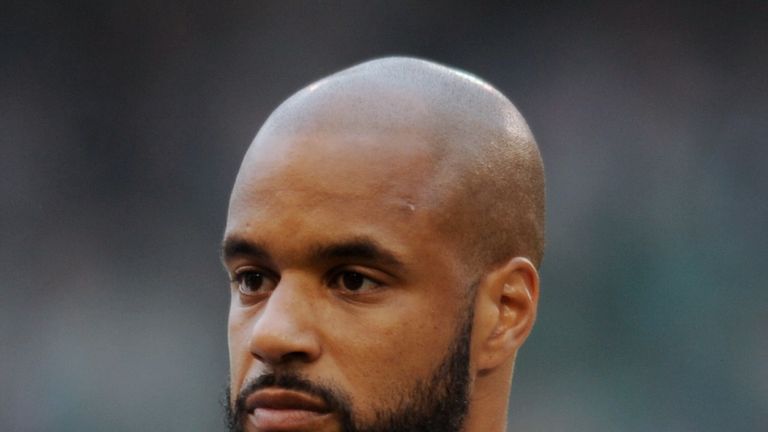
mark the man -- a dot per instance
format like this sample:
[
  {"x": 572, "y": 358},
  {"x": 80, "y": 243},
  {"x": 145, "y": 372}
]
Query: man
[{"x": 383, "y": 239}]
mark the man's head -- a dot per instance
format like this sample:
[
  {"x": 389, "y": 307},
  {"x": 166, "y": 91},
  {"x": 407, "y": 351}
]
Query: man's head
[{"x": 383, "y": 237}]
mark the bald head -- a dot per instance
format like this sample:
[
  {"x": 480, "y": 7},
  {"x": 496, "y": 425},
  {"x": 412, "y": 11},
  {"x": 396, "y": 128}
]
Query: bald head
[
  {"x": 469, "y": 153},
  {"x": 376, "y": 241}
]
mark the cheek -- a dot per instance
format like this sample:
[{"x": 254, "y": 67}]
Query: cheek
[
  {"x": 239, "y": 352},
  {"x": 381, "y": 355}
]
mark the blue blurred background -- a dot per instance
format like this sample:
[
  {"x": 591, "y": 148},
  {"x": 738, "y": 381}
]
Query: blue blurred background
[{"x": 122, "y": 128}]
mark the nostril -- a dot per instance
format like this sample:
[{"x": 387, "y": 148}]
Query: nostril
[
  {"x": 282, "y": 350},
  {"x": 296, "y": 356},
  {"x": 291, "y": 357}
]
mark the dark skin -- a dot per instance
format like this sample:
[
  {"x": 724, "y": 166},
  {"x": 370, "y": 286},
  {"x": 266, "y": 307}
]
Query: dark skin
[{"x": 354, "y": 241}]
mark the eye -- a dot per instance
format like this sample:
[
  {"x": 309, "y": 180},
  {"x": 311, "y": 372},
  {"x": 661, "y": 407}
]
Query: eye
[
  {"x": 354, "y": 281},
  {"x": 253, "y": 282}
]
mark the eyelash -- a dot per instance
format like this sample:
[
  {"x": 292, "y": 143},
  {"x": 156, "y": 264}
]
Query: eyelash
[
  {"x": 333, "y": 280},
  {"x": 240, "y": 274}
]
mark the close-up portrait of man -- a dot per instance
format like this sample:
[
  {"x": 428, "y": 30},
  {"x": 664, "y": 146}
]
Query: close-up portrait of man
[
  {"x": 383, "y": 240},
  {"x": 314, "y": 216}
]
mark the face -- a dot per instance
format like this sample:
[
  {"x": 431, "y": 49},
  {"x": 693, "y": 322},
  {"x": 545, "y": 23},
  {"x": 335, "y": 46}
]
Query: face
[{"x": 349, "y": 310}]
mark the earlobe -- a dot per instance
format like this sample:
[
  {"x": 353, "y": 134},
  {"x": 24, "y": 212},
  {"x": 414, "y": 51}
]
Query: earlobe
[{"x": 510, "y": 298}]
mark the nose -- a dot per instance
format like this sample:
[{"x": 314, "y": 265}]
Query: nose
[{"x": 285, "y": 332}]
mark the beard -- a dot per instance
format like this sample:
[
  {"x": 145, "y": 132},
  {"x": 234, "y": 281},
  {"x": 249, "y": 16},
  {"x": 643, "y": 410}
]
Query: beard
[{"x": 436, "y": 404}]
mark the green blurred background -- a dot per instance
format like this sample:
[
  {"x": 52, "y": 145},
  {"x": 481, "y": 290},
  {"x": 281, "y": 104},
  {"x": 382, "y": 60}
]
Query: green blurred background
[{"x": 123, "y": 124}]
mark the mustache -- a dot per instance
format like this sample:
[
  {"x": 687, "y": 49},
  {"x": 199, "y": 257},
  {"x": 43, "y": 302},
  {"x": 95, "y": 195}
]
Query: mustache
[{"x": 334, "y": 399}]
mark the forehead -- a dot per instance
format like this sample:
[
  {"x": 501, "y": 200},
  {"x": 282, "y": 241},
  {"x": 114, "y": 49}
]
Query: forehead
[
  {"x": 391, "y": 170},
  {"x": 337, "y": 181},
  {"x": 300, "y": 192}
]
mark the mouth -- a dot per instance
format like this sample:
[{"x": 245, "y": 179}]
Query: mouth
[{"x": 275, "y": 409}]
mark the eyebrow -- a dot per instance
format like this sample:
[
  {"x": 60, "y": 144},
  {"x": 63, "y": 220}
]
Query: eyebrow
[
  {"x": 358, "y": 248},
  {"x": 234, "y": 246}
]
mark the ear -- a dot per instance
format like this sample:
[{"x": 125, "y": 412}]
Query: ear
[{"x": 507, "y": 300}]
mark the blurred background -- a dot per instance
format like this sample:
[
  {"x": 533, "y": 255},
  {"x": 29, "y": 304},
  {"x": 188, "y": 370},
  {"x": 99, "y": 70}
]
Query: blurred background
[{"x": 122, "y": 125}]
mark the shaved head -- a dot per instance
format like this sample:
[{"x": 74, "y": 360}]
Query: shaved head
[
  {"x": 382, "y": 242},
  {"x": 484, "y": 174}
]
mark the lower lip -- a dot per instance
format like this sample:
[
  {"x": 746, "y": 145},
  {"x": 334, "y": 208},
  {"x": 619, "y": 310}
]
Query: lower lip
[{"x": 267, "y": 419}]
